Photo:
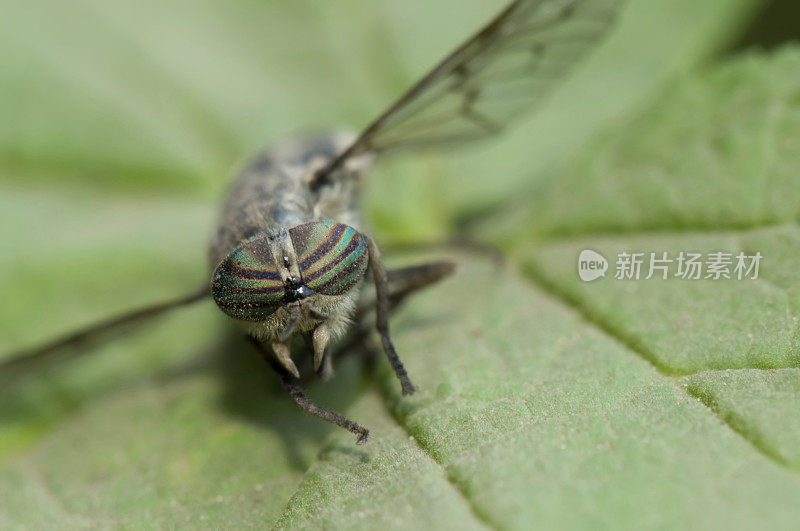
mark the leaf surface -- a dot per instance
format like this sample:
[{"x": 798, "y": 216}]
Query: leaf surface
[{"x": 543, "y": 400}]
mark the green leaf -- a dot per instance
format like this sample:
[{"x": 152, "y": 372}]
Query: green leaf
[
  {"x": 715, "y": 171},
  {"x": 543, "y": 400}
]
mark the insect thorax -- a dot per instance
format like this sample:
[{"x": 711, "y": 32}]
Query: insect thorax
[{"x": 272, "y": 193}]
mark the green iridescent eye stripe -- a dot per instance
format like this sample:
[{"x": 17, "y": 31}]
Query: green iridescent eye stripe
[
  {"x": 344, "y": 249},
  {"x": 255, "y": 276},
  {"x": 246, "y": 287},
  {"x": 327, "y": 233},
  {"x": 343, "y": 280},
  {"x": 246, "y": 265},
  {"x": 245, "y": 280},
  {"x": 340, "y": 272},
  {"x": 336, "y": 262},
  {"x": 341, "y": 247}
]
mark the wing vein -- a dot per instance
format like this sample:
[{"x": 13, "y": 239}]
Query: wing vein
[{"x": 529, "y": 46}]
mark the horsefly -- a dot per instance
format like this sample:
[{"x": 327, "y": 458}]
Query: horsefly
[{"x": 290, "y": 252}]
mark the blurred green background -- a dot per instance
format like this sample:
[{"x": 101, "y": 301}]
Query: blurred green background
[{"x": 122, "y": 124}]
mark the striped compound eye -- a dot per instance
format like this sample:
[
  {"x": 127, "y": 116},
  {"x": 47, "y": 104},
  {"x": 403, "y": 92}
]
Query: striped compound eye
[
  {"x": 332, "y": 256},
  {"x": 247, "y": 285}
]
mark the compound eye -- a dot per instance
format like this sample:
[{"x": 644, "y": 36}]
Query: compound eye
[
  {"x": 332, "y": 256},
  {"x": 247, "y": 285}
]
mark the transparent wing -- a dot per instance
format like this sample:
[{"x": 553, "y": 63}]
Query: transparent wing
[{"x": 489, "y": 80}]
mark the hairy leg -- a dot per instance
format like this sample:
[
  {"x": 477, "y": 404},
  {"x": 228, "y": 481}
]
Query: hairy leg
[
  {"x": 382, "y": 316},
  {"x": 66, "y": 345},
  {"x": 403, "y": 282}
]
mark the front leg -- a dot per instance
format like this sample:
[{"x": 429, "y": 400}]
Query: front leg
[
  {"x": 403, "y": 282},
  {"x": 292, "y": 387},
  {"x": 382, "y": 317}
]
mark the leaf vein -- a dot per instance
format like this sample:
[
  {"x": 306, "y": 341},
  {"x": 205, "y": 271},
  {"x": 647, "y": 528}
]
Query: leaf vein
[{"x": 642, "y": 352}]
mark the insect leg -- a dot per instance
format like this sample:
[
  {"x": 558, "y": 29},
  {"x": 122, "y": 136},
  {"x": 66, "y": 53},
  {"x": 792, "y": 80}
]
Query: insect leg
[
  {"x": 403, "y": 282},
  {"x": 51, "y": 350},
  {"x": 382, "y": 317},
  {"x": 296, "y": 394}
]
